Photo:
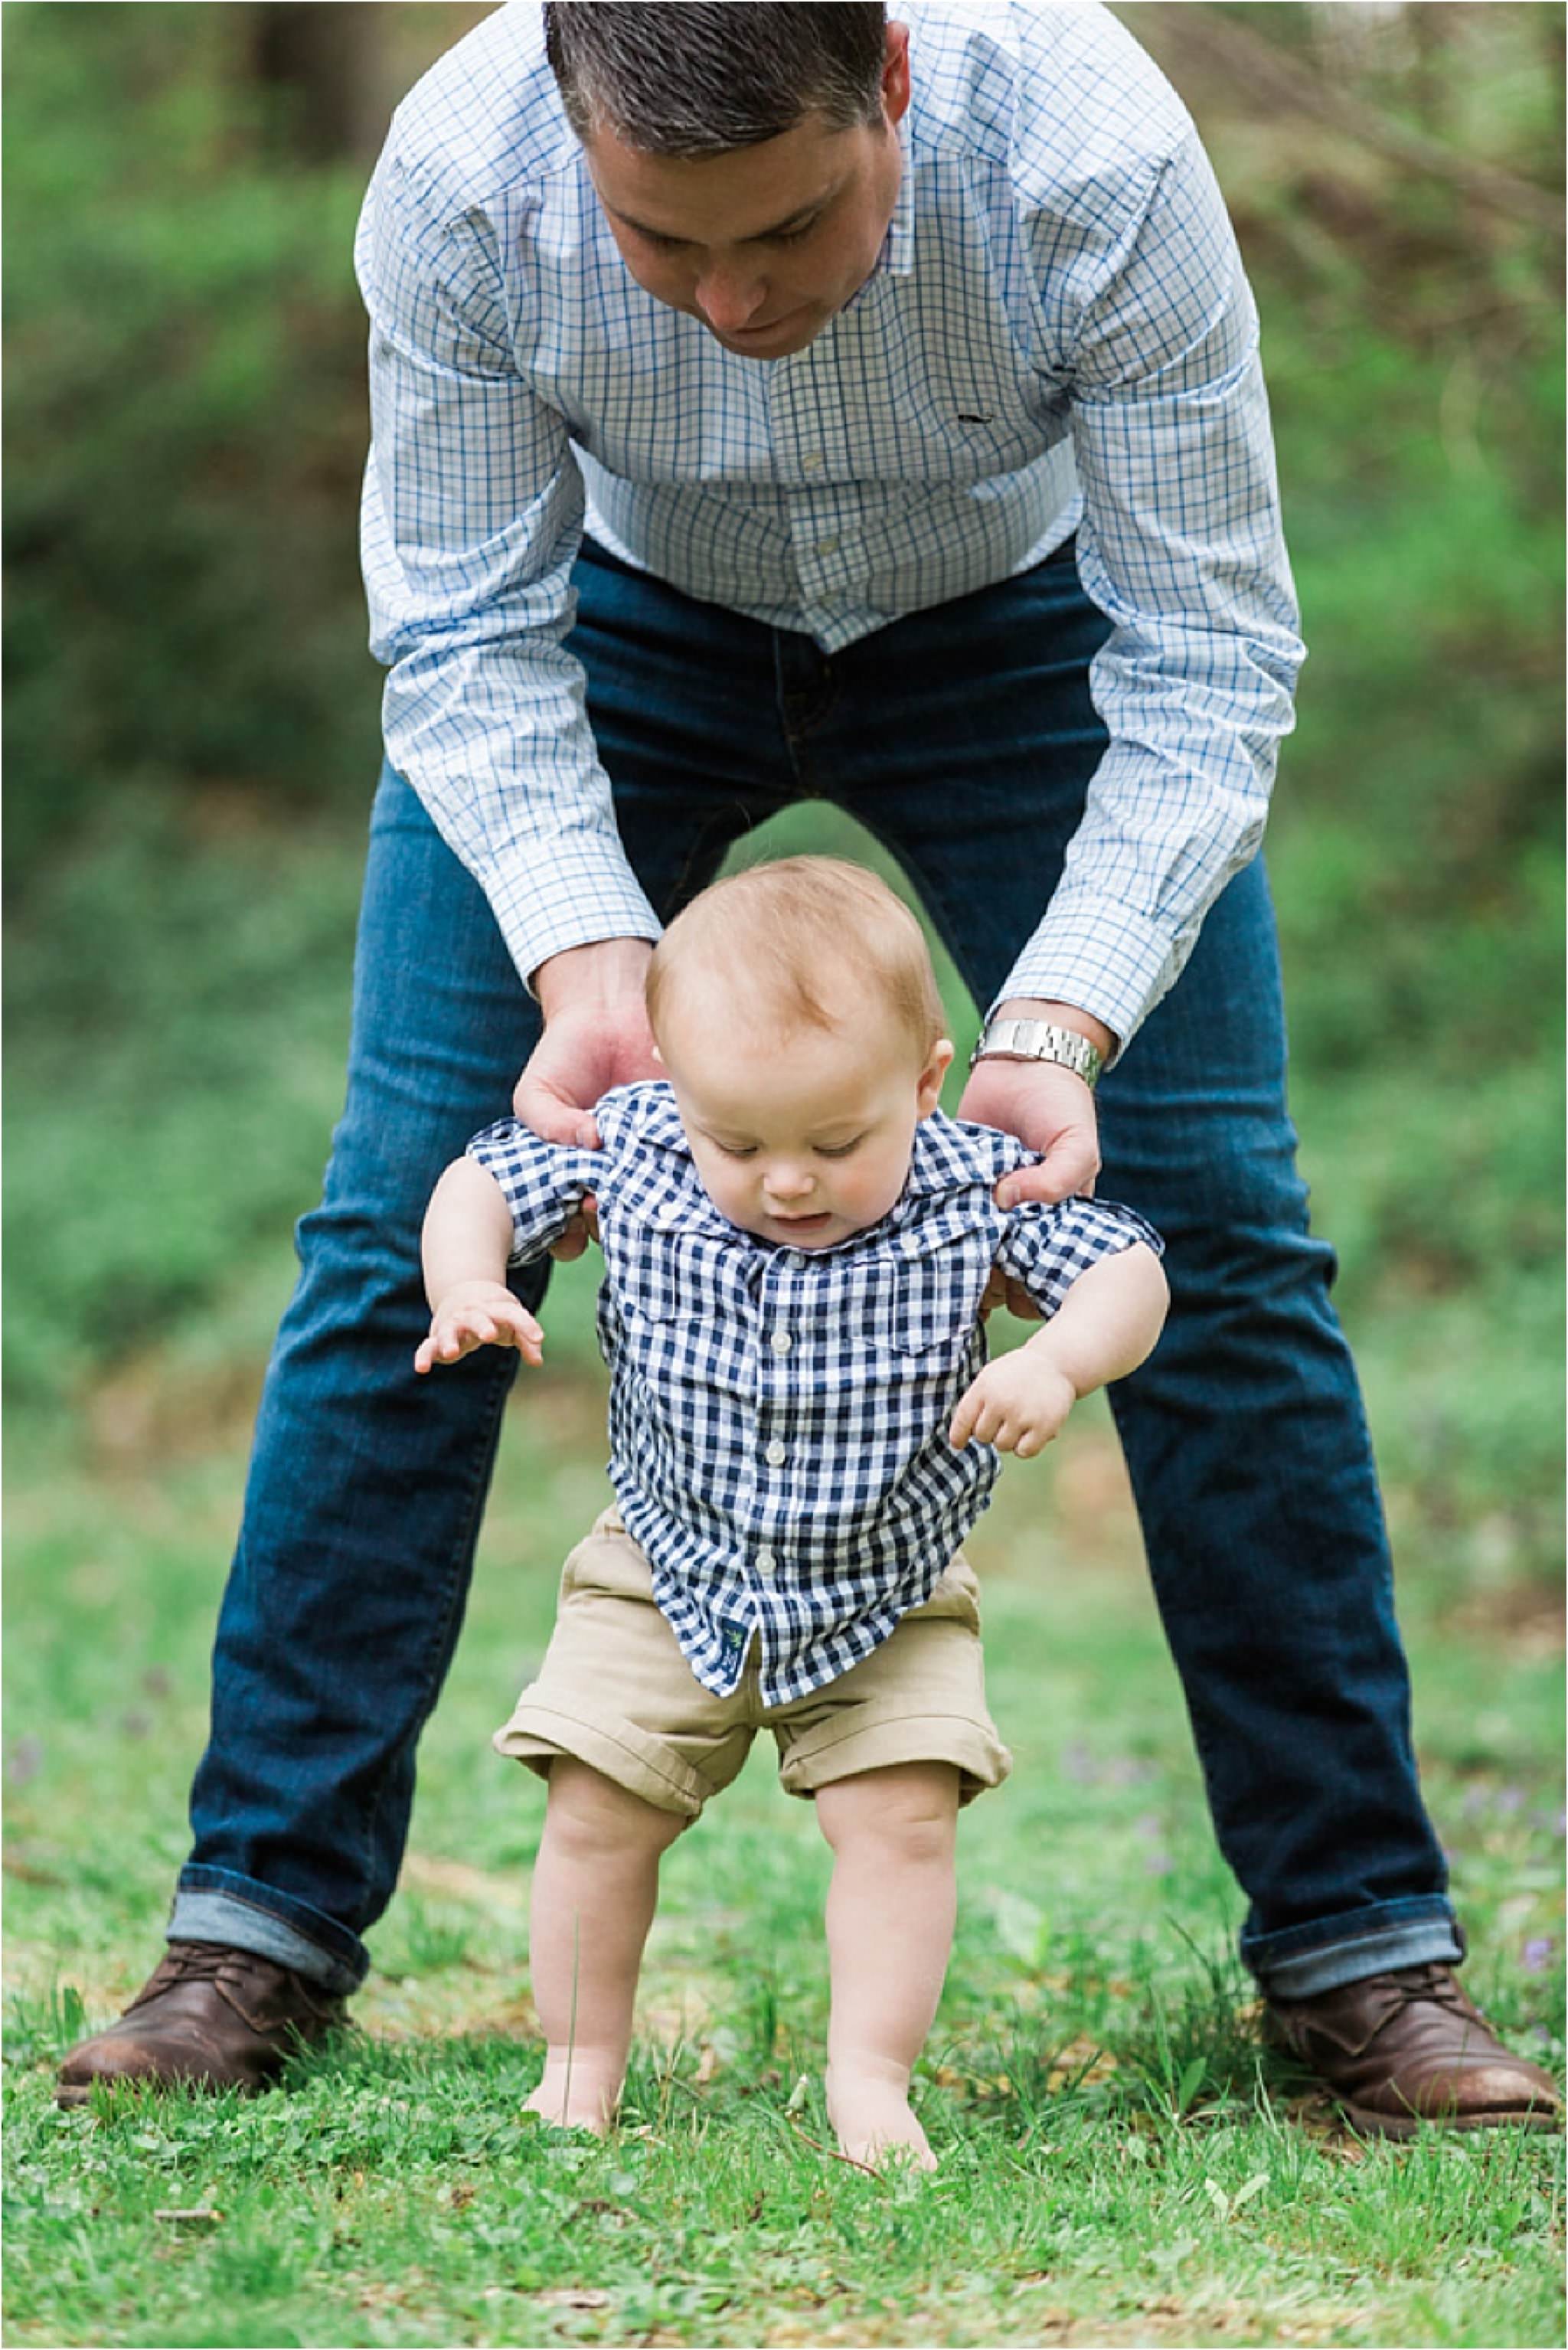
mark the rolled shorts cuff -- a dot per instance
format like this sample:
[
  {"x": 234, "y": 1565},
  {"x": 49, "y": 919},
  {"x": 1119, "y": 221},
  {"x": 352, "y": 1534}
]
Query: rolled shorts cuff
[
  {"x": 1398, "y": 1934},
  {"x": 844, "y": 1751},
  {"x": 537, "y": 1734},
  {"x": 215, "y": 1904}
]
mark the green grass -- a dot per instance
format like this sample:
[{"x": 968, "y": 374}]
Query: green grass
[{"x": 1121, "y": 2161}]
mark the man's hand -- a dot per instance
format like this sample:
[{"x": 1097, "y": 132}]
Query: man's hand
[
  {"x": 1017, "y": 1403},
  {"x": 1050, "y": 1110},
  {"x": 480, "y": 1314},
  {"x": 1043, "y": 1104},
  {"x": 595, "y": 1037}
]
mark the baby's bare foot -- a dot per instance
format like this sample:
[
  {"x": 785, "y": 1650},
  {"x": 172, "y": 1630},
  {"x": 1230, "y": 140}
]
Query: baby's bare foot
[
  {"x": 874, "y": 2120},
  {"x": 574, "y": 2096}
]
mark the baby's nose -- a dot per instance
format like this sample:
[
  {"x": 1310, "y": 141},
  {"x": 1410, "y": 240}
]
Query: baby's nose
[{"x": 788, "y": 1183}]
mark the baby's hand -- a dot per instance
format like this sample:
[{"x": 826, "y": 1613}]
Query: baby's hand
[
  {"x": 1018, "y": 1403},
  {"x": 479, "y": 1313}
]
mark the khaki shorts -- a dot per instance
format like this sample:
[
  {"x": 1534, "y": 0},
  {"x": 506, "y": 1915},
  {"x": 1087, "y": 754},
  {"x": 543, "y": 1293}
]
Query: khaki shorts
[{"x": 616, "y": 1691}]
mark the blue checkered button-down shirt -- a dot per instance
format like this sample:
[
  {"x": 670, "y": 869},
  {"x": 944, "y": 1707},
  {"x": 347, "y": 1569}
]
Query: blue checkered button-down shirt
[
  {"x": 1057, "y": 337},
  {"x": 778, "y": 1416}
]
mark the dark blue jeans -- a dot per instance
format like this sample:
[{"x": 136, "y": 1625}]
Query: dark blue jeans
[{"x": 963, "y": 738}]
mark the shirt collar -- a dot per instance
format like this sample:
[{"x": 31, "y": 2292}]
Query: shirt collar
[{"x": 897, "y": 258}]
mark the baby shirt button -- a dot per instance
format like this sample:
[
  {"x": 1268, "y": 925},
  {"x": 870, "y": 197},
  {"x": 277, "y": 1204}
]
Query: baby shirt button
[
  {"x": 776, "y": 1454},
  {"x": 767, "y": 1562},
  {"x": 780, "y": 1341}
]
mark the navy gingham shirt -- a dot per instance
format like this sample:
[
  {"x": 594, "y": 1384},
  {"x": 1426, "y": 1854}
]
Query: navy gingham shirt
[
  {"x": 1057, "y": 337},
  {"x": 778, "y": 1416}
]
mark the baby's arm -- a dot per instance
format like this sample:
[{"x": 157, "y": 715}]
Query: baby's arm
[
  {"x": 1104, "y": 1326},
  {"x": 467, "y": 1243}
]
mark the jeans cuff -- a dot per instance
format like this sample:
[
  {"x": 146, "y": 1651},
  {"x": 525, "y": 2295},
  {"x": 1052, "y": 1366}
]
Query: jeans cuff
[
  {"x": 208, "y": 1913},
  {"x": 1434, "y": 1938}
]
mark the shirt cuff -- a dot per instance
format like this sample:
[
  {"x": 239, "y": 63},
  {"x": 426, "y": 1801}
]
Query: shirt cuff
[
  {"x": 566, "y": 892},
  {"x": 1091, "y": 953}
]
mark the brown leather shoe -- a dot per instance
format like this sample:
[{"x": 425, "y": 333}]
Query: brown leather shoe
[
  {"x": 210, "y": 2016},
  {"x": 1400, "y": 2049}
]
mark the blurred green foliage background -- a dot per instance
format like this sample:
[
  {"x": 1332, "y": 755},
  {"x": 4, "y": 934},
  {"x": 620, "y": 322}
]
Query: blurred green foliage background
[{"x": 190, "y": 720}]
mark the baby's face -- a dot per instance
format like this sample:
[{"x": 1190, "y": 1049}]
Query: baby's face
[{"x": 803, "y": 1137}]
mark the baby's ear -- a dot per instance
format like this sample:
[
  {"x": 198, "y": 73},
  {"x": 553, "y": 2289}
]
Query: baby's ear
[{"x": 928, "y": 1092}]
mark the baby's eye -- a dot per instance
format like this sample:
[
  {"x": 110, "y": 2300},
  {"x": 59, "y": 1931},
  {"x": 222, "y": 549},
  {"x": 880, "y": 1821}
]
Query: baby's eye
[
  {"x": 737, "y": 1149},
  {"x": 839, "y": 1149}
]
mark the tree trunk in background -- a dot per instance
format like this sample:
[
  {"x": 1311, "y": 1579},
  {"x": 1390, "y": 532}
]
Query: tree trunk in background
[{"x": 324, "y": 66}]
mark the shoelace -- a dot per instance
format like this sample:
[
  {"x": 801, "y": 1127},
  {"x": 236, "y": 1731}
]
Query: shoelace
[
  {"x": 1423, "y": 1987},
  {"x": 211, "y": 1962}
]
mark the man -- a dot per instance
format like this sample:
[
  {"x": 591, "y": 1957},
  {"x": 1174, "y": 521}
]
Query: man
[{"x": 907, "y": 378}]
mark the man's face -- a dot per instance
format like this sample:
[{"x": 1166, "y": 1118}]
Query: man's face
[{"x": 765, "y": 245}]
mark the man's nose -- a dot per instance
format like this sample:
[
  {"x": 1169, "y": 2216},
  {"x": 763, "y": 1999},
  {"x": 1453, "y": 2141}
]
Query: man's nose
[{"x": 729, "y": 295}]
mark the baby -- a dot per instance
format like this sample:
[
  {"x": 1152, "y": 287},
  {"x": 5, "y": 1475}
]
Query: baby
[{"x": 804, "y": 1427}]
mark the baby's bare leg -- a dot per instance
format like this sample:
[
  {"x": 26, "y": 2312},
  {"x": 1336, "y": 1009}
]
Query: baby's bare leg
[
  {"x": 595, "y": 1884},
  {"x": 890, "y": 1913}
]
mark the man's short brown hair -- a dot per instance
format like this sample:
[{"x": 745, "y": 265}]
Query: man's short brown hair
[{"x": 692, "y": 78}]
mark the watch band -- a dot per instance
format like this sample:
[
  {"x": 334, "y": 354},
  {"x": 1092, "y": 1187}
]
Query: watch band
[{"x": 1040, "y": 1040}]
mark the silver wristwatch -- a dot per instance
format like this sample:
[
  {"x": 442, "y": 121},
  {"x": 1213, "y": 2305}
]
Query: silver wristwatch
[{"x": 1039, "y": 1040}]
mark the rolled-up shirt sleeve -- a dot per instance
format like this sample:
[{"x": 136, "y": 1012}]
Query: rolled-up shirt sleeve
[
  {"x": 1046, "y": 1246},
  {"x": 1180, "y": 546},
  {"x": 543, "y": 1182},
  {"x": 471, "y": 519}
]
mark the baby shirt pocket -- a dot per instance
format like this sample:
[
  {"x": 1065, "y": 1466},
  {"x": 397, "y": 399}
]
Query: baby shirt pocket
[{"x": 922, "y": 1300}]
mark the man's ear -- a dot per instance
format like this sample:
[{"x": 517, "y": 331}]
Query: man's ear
[
  {"x": 929, "y": 1091},
  {"x": 896, "y": 75}
]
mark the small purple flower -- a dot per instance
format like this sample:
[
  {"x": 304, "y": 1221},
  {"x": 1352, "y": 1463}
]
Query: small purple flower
[
  {"x": 26, "y": 1761},
  {"x": 1149, "y": 1823},
  {"x": 1473, "y": 1802},
  {"x": 1158, "y": 1862},
  {"x": 1538, "y": 1954},
  {"x": 1511, "y": 1799},
  {"x": 157, "y": 1681},
  {"x": 1126, "y": 1773},
  {"x": 134, "y": 1725},
  {"x": 1079, "y": 1763}
]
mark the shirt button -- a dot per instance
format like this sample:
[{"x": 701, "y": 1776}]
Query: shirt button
[
  {"x": 777, "y": 1454},
  {"x": 794, "y": 1259},
  {"x": 767, "y": 1562},
  {"x": 780, "y": 1341},
  {"x": 827, "y": 546}
]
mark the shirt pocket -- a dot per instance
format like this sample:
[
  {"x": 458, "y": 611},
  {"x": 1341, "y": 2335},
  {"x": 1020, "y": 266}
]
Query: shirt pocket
[
  {"x": 674, "y": 1277},
  {"x": 920, "y": 1302},
  {"x": 682, "y": 1324}
]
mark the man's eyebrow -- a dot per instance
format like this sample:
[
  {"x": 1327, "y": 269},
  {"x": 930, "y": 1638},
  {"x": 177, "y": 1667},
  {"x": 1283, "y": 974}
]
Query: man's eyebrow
[{"x": 760, "y": 236}]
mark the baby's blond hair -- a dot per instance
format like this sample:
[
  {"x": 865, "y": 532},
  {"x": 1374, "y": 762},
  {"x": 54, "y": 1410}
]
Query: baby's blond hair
[{"x": 778, "y": 936}]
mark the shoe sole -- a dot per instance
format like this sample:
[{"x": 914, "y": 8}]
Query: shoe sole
[{"x": 1397, "y": 2125}]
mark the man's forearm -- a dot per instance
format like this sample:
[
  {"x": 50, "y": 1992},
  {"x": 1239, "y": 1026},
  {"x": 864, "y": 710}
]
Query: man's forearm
[{"x": 605, "y": 972}]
